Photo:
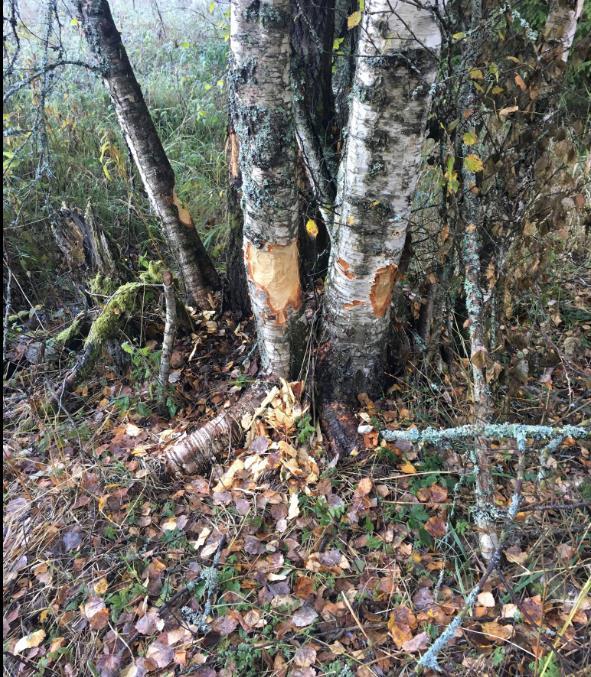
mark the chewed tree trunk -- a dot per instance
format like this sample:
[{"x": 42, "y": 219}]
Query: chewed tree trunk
[
  {"x": 142, "y": 138},
  {"x": 396, "y": 67},
  {"x": 262, "y": 117}
]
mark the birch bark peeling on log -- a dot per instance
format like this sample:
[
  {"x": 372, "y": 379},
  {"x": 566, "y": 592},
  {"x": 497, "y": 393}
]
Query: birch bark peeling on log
[
  {"x": 263, "y": 120},
  {"x": 396, "y": 67}
]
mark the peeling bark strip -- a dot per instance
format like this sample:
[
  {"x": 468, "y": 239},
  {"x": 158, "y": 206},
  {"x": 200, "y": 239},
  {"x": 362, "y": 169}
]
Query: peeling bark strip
[
  {"x": 396, "y": 66},
  {"x": 146, "y": 148},
  {"x": 262, "y": 117},
  {"x": 196, "y": 452}
]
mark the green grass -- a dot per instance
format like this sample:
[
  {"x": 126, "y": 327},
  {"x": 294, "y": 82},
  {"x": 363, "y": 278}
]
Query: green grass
[{"x": 183, "y": 80}]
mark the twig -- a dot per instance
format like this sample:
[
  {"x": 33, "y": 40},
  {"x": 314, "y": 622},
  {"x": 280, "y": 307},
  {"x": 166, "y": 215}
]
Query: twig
[
  {"x": 169, "y": 333},
  {"x": 7, "y": 308},
  {"x": 430, "y": 658}
]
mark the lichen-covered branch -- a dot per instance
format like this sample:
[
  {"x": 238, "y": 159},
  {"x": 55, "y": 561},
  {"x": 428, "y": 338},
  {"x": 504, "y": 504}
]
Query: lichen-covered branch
[
  {"x": 103, "y": 328},
  {"x": 429, "y": 660},
  {"x": 495, "y": 431}
]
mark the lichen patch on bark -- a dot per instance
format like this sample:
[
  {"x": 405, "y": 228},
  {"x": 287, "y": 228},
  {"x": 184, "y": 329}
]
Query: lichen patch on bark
[
  {"x": 274, "y": 270},
  {"x": 381, "y": 289}
]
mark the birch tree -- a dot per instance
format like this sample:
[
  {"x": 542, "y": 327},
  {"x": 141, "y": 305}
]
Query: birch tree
[
  {"x": 396, "y": 67},
  {"x": 261, "y": 111},
  {"x": 157, "y": 175}
]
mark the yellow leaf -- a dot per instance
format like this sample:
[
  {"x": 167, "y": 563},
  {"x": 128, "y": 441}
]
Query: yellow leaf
[
  {"x": 473, "y": 163},
  {"x": 311, "y": 228},
  {"x": 101, "y": 586},
  {"x": 29, "y": 642},
  {"x": 456, "y": 37},
  {"x": 408, "y": 468},
  {"x": 509, "y": 109},
  {"x": 354, "y": 20},
  {"x": 476, "y": 74},
  {"x": 470, "y": 138},
  {"x": 102, "y": 502},
  {"x": 74, "y": 22}
]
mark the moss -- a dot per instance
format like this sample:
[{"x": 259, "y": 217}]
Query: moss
[
  {"x": 69, "y": 333},
  {"x": 103, "y": 285},
  {"x": 122, "y": 301}
]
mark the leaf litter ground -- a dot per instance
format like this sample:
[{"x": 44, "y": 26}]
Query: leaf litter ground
[{"x": 279, "y": 562}]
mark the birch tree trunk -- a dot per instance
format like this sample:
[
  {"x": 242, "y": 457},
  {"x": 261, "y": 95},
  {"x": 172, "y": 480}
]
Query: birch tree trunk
[
  {"x": 158, "y": 178},
  {"x": 262, "y": 117},
  {"x": 396, "y": 66},
  {"x": 560, "y": 28}
]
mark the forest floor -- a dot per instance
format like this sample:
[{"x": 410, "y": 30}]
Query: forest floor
[{"x": 276, "y": 561}]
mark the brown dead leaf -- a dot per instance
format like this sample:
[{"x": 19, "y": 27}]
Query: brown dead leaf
[
  {"x": 515, "y": 555},
  {"x": 364, "y": 487},
  {"x": 532, "y": 610},
  {"x": 496, "y": 631},
  {"x": 401, "y": 623},
  {"x": 436, "y": 527},
  {"x": 161, "y": 654},
  {"x": 305, "y": 656},
  {"x": 408, "y": 468},
  {"x": 96, "y": 613},
  {"x": 417, "y": 643}
]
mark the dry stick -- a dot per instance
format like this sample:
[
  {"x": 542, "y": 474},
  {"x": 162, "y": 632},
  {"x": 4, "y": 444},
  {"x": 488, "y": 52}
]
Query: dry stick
[
  {"x": 7, "y": 308},
  {"x": 170, "y": 326},
  {"x": 429, "y": 659}
]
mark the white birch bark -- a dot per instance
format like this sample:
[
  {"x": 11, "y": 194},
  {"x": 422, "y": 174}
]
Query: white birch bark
[
  {"x": 263, "y": 120},
  {"x": 561, "y": 26},
  {"x": 396, "y": 67}
]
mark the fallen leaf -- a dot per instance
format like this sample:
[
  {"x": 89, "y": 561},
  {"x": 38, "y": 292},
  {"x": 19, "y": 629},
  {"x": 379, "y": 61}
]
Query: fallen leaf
[
  {"x": 96, "y": 613},
  {"x": 417, "y": 643},
  {"x": 304, "y": 617},
  {"x": 160, "y": 653},
  {"x": 305, "y": 656},
  {"x": 29, "y": 642},
  {"x": 225, "y": 625},
  {"x": 408, "y": 468},
  {"x": 486, "y": 599},
  {"x": 364, "y": 487},
  {"x": 515, "y": 555},
  {"x": 436, "y": 527},
  {"x": 497, "y": 631},
  {"x": 150, "y": 623},
  {"x": 294, "y": 507},
  {"x": 101, "y": 586}
]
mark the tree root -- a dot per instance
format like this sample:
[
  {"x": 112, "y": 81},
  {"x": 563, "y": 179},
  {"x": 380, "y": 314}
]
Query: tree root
[
  {"x": 196, "y": 452},
  {"x": 338, "y": 424}
]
